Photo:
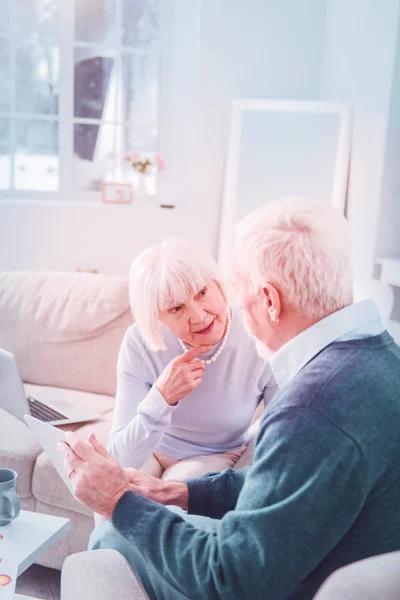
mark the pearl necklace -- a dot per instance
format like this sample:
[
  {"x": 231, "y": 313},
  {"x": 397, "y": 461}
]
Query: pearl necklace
[{"x": 218, "y": 353}]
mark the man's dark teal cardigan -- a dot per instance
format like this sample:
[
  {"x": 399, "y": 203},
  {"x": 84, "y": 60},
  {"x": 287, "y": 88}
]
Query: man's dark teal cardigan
[{"x": 324, "y": 489}]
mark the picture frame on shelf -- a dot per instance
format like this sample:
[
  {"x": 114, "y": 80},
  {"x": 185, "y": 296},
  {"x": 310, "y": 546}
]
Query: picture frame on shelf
[{"x": 116, "y": 193}]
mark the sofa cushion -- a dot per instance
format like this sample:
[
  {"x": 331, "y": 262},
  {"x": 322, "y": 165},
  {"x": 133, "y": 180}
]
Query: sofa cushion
[
  {"x": 65, "y": 328},
  {"x": 47, "y": 486},
  {"x": 18, "y": 451}
]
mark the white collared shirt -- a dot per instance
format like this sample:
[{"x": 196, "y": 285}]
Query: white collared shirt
[{"x": 355, "y": 321}]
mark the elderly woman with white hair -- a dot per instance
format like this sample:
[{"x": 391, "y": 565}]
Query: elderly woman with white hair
[{"x": 189, "y": 376}]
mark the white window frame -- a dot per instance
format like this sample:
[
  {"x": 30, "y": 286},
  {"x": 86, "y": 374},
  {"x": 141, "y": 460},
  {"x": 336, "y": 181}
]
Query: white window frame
[{"x": 179, "y": 49}]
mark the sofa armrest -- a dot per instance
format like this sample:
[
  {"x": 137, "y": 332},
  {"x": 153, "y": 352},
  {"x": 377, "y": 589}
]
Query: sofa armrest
[
  {"x": 374, "y": 578},
  {"x": 99, "y": 574}
]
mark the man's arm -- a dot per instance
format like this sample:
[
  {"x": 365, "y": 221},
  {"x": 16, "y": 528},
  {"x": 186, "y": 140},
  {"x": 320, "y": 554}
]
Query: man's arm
[
  {"x": 300, "y": 497},
  {"x": 214, "y": 494},
  {"x": 211, "y": 495}
]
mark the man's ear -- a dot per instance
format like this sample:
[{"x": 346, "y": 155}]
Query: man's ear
[{"x": 272, "y": 302}]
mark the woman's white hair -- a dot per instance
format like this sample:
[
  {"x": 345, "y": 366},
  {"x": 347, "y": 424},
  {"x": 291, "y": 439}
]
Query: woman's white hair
[
  {"x": 166, "y": 275},
  {"x": 303, "y": 247}
]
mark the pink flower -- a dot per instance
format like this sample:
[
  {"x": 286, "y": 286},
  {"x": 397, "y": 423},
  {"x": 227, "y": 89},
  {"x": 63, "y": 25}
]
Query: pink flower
[{"x": 134, "y": 155}]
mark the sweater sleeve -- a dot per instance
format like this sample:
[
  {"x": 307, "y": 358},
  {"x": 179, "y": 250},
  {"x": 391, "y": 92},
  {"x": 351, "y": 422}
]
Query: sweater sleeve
[
  {"x": 214, "y": 494},
  {"x": 302, "y": 494},
  {"x": 141, "y": 414}
]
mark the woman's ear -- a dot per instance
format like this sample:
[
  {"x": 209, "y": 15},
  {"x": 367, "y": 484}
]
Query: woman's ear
[{"x": 272, "y": 302}]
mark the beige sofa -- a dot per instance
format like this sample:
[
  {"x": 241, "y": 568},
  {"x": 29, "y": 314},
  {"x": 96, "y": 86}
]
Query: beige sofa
[{"x": 65, "y": 330}]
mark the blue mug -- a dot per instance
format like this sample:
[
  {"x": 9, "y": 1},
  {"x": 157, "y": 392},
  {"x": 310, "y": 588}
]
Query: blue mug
[{"x": 9, "y": 501}]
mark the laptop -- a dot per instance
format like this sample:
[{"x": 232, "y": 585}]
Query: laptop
[{"x": 14, "y": 400}]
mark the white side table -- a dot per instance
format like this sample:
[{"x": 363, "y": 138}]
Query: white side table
[{"x": 24, "y": 541}]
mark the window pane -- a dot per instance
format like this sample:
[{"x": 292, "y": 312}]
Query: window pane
[
  {"x": 5, "y": 20},
  {"x": 85, "y": 139},
  {"x": 140, "y": 23},
  {"x": 140, "y": 137},
  {"x": 95, "y": 89},
  {"x": 141, "y": 93},
  {"x": 38, "y": 74},
  {"x": 5, "y": 76},
  {"x": 95, "y": 21},
  {"x": 36, "y": 158},
  {"x": 98, "y": 154},
  {"x": 36, "y": 16},
  {"x": 5, "y": 162}
]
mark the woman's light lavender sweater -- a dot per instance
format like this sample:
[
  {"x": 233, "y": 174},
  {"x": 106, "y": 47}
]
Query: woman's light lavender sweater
[{"x": 212, "y": 419}]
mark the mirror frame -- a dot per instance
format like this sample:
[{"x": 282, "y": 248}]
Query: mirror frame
[{"x": 229, "y": 199}]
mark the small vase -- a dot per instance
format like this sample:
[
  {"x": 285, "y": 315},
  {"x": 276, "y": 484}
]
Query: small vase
[{"x": 140, "y": 192}]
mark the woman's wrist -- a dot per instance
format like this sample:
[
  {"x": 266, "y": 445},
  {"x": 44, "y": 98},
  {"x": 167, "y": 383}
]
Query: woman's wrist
[{"x": 164, "y": 394}]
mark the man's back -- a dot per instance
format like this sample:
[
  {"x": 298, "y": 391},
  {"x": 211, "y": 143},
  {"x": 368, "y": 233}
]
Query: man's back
[{"x": 348, "y": 397}]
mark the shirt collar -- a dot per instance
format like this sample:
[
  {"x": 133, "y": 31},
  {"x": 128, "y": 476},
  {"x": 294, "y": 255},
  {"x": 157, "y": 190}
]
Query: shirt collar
[{"x": 295, "y": 354}]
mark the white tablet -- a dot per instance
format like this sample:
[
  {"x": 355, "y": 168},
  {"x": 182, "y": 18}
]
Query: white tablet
[{"x": 48, "y": 437}]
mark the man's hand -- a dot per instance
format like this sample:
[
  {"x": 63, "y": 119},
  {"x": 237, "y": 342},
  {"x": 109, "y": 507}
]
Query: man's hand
[
  {"x": 97, "y": 479},
  {"x": 163, "y": 492}
]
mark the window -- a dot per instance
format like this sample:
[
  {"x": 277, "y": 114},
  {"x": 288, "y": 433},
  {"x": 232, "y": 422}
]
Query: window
[{"x": 79, "y": 88}]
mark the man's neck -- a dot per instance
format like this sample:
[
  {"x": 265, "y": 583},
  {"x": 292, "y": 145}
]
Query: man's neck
[{"x": 290, "y": 327}]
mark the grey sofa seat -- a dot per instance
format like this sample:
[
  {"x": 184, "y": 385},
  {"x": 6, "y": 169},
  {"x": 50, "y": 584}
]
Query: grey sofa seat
[
  {"x": 375, "y": 578},
  {"x": 101, "y": 575},
  {"x": 105, "y": 574}
]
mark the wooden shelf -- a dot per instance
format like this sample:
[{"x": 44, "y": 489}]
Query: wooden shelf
[{"x": 390, "y": 270}]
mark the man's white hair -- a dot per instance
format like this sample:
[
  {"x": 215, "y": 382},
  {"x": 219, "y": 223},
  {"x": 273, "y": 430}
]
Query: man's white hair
[
  {"x": 166, "y": 275},
  {"x": 303, "y": 247}
]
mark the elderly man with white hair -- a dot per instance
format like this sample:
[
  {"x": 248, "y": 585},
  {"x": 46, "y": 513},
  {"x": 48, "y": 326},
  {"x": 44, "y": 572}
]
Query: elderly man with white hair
[{"x": 324, "y": 487}]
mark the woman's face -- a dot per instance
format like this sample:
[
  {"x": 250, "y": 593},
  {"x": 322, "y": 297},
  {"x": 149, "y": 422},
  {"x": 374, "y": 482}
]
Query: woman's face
[{"x": 201, "y": 319}]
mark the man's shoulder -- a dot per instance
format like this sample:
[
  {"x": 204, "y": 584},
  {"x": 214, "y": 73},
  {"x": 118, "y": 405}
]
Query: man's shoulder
[{"x": 343, "y": 369}]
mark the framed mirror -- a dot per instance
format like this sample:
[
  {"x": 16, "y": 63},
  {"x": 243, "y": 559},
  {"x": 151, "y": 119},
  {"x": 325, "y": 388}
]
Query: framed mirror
[{"x": 283, "y": 148}]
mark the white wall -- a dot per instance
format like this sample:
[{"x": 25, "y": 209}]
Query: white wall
[
  {"x": 259, "y": 48},
  {"x": 105, "y": 238},
  {"x": 388, "y": 225},
  {"x": 255, "y": 48},
  {"x": 358, "y": 66},
  {"x": 388, "y": 230}
]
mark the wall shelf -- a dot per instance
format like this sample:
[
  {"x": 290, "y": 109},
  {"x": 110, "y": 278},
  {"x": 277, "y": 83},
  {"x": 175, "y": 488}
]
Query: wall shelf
[{"x": 390, "y": 270}]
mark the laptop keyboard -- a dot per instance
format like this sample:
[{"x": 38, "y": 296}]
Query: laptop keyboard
[{"x": 42, "y": 412}]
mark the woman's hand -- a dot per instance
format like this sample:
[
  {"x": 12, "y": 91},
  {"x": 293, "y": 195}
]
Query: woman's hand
[
  {"x": 163, "y": 492},
  {"x": 182, "y": 375}
]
